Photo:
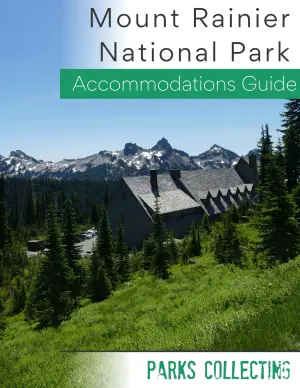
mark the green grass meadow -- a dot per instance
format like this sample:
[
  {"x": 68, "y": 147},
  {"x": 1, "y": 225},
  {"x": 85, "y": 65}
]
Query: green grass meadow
[{"x": 201, "y": 307}]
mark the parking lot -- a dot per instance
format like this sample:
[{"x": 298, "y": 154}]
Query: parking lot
[{"x": 86, "y": 245}]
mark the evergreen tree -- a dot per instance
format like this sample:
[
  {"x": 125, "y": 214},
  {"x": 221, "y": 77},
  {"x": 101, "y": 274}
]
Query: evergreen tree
[
  {"x": 149, "y": 249},
  {"x": 296, "y": 199},
  {"x": 5, "y": 234},
  {"x": 19, "y": 295},
  {"x": 244, "y": 209},
  {"x": 71, "y": 249},
  {"x": 30, "y": 206},
  {"x": 95, "y": 215},
  {"x": 234, "y": 214},
  {"x": 291, "y": 141},
  {"x": 266, "y": 151},
  {"x": 105, "y": 247},
  {"x": 50, "y": 297},
  {"x": 122, "y": 253},
  {"x": 227, "y": 244},
  {"x": 205, "y": 224},
  {"x": 279, "y": 156},
  {"x": 3, "y": 215},
  {"x": 159, "y": 232},
  {"x": 161, "y": 255},
  {"x": 195, "y": 243},
  {"x": 100, "y": 284},
  {"x": 106, "y": 195},
  {"x": 276, "y": 221}
]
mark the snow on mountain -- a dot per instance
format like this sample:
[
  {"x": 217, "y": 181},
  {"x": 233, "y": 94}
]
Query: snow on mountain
[
  {"x": 217, "y": 157},
  {"x": 132, "y": 160}
]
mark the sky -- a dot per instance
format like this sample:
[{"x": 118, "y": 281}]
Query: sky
[{"x": 34, "y": 119}]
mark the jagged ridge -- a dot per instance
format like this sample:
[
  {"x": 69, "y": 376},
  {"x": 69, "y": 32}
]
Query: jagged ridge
[{"x": 132, "y": 160}]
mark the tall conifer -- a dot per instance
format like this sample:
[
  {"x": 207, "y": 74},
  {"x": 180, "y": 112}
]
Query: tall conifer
[
  {"x": 50, "y": 297},
  {"x": 276, "y": 221},
  {"x": 105, "y": 247},
  {"x": 122, "y": 253},
  {"x": 291, "y": 141},
  {"x": 72, "y": 251},
  {"x": 161, "y": 255}
]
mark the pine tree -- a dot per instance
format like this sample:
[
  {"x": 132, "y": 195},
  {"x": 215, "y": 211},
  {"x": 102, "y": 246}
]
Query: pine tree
[
  {"x": 266, "y": 151},
  {"x": 205, "y": 224},
  {"x": 149, "y": 249},
  {"x": 122, "y": 253},
  {"x": 105, "y": 247},
  {"x": 100, "y": 284},
  {"x": 227, "y": 248},
  {"x": 195, "y": 242},
  {"x": 19, "y": 295},
  {"x": 161, "y": 255},
  {"x": 276, "y": 221},
  {"x": 234, "y": 214},
  {"x": 95, "y": 215},
  {"x": 296, "y": 199},
  {"x": 50, "y": 297},
  {"x": 291, "y": 141},
  {"x": 3, "y": 215},
  {"x": 71, "y": 249},
  {"x": 278, "y": 155},
  {"x": 159, "y": 232},
  {"x": 5, "y": 233},
  {"x": 30, "y": 218},
  {"x": 106, "y": 195}
]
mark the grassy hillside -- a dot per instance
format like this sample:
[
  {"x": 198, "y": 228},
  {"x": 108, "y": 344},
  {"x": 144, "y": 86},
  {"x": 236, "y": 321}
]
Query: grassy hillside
[{"x": 201, "y": 307}]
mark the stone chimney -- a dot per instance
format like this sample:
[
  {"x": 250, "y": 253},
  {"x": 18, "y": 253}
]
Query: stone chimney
[
  {"x": 153, "y": 179},
  {"x": 175, "y": 173}
]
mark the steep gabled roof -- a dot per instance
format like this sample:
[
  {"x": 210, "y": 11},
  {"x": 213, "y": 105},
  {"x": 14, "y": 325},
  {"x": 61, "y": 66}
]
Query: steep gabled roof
[
  {"x": 200, "y": 182},
  {"x": 171, "y": 201},
  {"x": 193, "y": 189}
]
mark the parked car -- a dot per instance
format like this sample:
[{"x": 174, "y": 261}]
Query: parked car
[
  {"x": 79, "y": 238},
  {"x": 89, "y": 235},
  {"x": 88, "y": 253}
]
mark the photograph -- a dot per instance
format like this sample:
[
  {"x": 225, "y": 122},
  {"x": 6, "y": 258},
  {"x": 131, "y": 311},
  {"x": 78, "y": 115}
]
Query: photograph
[{"x": 145, "y": 211}]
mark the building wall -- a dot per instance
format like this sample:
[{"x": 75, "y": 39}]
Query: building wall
[
  {"x": 246, "y": 172},
  {"x": 137, "y": 223},
  {"x": 179, "y": 224}
]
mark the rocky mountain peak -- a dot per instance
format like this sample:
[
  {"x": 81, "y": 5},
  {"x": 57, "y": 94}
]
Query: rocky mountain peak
[
  {"x": 216, "y": 148},
  {"x": 18, "y": 154},
  {"x": 22, "y": 155},
  {"x": 162, "y": 145},
  {"x": 131, "y": 149}
]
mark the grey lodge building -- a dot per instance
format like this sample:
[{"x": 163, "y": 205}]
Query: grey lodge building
[{"x": 184, "y": 196}]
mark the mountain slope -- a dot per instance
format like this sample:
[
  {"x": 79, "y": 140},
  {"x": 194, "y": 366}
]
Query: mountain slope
[
  {"x": 237, "y": 311},
  {"x": 132, "y": 160}
]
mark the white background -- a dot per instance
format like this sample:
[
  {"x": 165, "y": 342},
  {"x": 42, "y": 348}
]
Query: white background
[{"x": 82, "y": 43}]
